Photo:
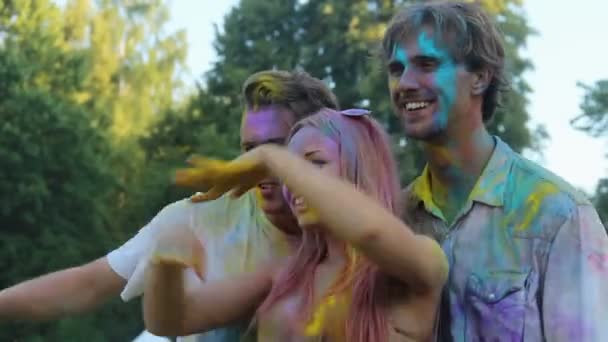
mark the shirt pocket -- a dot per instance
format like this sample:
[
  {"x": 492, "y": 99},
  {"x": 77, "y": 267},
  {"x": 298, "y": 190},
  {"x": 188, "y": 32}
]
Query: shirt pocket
[{"x": 496, "y": 306}]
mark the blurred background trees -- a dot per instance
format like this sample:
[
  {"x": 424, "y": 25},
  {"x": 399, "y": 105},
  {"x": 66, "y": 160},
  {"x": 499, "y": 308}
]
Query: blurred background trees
[
  {"x": 94, "y": 115},
  {"x": 594, "y": 121}
]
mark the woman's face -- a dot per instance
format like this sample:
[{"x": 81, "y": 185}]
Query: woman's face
[{"x": 311, "y": 144}]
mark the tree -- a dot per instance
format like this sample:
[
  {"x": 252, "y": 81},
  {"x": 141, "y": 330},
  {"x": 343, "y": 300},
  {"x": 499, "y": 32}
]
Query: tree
[
  {"x": 55, "y": 187},
  {"x": 79, "y": 85},
  {"x": 335, "y": 40},
  {"x": 594, "y": 121},
  {"x": 182, "y": 132},
  {"x": 600, "y": 200}
]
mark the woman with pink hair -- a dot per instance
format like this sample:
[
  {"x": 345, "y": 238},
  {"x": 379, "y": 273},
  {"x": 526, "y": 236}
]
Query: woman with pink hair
[{"x": 359, "y": 273}]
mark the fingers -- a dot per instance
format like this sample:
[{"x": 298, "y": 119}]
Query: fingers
[
  {"x": 213, "y": 193},
  {"x": 197, "y": 160},
  {"x": 205, "y": 172},
  {"x": 197, "y": 197},
  {"x": 208, "y": 164},
  {"x": 161, "y": 258},
  {"x": 181, "y": 178},
  {"x": 188, "y": 177},
  {"x": 239, "y": 191},
  {"x": 199, "y": 177},
  {"x": 180, "y": 247}
]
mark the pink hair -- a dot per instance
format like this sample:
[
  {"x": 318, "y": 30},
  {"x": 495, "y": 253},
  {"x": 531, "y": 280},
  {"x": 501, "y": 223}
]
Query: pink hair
[{"x": 366, "y": 161}]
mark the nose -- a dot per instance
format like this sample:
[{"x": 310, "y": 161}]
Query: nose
[{"x": 408, "y": 80}]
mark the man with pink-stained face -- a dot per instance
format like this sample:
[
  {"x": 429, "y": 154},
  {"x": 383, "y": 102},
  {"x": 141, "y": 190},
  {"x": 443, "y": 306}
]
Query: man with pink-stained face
[
  {"x": 269, "y": 125},
  {"x": 232, "y": 235}
]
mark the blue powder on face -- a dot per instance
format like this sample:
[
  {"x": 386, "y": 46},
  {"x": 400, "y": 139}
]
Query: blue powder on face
[
  {"x": 399, "y": 54},
  {"x": 445, "y": 76}
]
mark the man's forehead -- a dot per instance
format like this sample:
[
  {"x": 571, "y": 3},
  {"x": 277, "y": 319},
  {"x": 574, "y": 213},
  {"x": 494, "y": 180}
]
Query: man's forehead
[
  {"x": 267, "y": 114},
  {"x": 420, "y": 42},
  {"x": 267, "y": 124}
]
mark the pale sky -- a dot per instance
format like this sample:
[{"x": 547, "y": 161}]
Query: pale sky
[{"x": 570, "y": 47}]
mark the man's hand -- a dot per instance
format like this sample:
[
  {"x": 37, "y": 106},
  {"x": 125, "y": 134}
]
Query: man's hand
[{"x": 239, "y": 175}]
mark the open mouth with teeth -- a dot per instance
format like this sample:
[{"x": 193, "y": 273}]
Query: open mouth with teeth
[
  {"x": 267, "y": 189},
  {"x": 268, "y": 186},
  {"x": 412, "y": 106},
  {"x": 298, "y": 203}
]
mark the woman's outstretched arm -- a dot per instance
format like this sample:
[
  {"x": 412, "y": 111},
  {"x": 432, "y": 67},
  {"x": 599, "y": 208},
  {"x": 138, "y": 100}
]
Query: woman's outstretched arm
[
  {"x": 352, "y": 216},
  {"x": 346, "y": 213},
  {"x": 171, "y": 309}
]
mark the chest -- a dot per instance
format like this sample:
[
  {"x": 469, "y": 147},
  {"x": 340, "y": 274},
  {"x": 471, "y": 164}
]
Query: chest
[
  {"x": 240, "y": 248},
  {"x": 496, "y": 270},
  {"x": 409, "y": 318}
]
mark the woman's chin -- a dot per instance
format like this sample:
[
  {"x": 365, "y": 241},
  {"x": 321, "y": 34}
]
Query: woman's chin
[{"x": 308, "y": 221}]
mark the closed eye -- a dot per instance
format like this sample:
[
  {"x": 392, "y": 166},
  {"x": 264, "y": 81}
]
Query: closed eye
[
  {"x": 318, "y": 162},
  {"x": 250, "y": 145}
]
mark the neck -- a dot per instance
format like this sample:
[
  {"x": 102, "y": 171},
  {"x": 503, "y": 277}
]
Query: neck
[
  {"x": 456, "y": 163},
  {"x": 286, "y": 223},
  {"x": 335, "y": 249}
]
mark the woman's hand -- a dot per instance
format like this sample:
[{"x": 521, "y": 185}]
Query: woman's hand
[
  {"x": 219, "y": 177},
  {"x": 180, "y": 247}
]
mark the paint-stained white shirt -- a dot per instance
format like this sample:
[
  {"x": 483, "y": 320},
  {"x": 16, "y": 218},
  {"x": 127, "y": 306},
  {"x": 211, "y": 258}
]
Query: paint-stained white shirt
[{"x": 236, "y": 236}]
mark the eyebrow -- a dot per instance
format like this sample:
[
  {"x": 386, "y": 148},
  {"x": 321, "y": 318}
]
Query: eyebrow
[
  {"x": 277, "y": 140},
  {"x": 416, "y": 59},
  {"x": 310, "y": 153},
  {"x": 426, "y": 57}
]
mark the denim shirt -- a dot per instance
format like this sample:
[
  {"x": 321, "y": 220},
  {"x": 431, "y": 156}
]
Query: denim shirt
[{"x": 528, "y": 256}]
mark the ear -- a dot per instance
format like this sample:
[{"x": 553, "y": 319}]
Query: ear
[{"x": 481, "y": 81}]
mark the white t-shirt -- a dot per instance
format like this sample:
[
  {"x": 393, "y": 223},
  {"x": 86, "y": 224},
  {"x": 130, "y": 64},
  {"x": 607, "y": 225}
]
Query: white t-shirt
[{"x": 236, "y": 236}]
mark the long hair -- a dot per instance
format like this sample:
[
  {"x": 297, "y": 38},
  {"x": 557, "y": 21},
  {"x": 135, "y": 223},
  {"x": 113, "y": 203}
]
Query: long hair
[{"x": 366, "y": 161}]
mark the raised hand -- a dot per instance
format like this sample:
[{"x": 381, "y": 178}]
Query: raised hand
[
  {"x": 219, "y": 177},
  {"x": 180, "y": 247}
]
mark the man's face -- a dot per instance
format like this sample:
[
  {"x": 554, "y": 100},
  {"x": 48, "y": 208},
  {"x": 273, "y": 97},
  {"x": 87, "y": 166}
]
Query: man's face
[
  {"x": 429, "y": 91},
  {"x": 267, "y": 125}
]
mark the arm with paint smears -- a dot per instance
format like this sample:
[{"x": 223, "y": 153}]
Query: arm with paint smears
[
  {"x": 414, "y": 259},
  {"x": 417, "y": 260},
  {"x": 170, "y": 308},
  {"x": 575, "y": 296}
]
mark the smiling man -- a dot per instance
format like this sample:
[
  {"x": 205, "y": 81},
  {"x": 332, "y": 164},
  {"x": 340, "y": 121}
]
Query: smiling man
[{"x": 528, "y": 254}]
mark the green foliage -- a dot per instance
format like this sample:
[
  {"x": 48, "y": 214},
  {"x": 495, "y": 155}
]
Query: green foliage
[
  {"x": 54, "y": 192},
  {"x": 594, "y": 121},
  {"x": 79, "y": 85},
  {"x": 178, "y": 135}
]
